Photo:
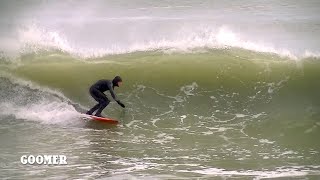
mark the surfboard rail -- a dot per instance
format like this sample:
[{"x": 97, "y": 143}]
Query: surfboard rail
[{"x": 102, "y": 119}]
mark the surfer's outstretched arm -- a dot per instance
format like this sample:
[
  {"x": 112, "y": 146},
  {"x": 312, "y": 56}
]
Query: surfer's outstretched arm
[{"x": 113, "y": 94}]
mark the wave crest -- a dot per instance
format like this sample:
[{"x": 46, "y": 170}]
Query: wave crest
[{"x": 34, "y": 38}]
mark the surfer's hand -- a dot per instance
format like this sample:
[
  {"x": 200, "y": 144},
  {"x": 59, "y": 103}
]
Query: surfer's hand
[{"x": 121, "y": 104}]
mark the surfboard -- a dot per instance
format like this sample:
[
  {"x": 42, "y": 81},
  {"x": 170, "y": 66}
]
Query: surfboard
[{"x": 102, "y": 119}]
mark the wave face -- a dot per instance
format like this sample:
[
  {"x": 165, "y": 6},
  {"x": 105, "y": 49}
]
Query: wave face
[{"x": 222, "y": 89}]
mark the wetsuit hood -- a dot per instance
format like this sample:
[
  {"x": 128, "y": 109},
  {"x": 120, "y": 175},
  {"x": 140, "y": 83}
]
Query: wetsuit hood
[{"x": 116, "y": 80}]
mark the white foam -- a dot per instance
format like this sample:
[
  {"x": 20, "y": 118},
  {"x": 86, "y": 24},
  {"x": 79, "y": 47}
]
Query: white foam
[
  {"x": 240, "y": 115},
  {"x": 310, "y": 54},
  {"x": 44, "y": 112},
  {"x": 49, "y": 106},
  {"x": 131, "y": 165},
  {"x": 34, "y": 38},
  {"x": 182, "y": 118},
  {"x": 266, "y": 141},
  {"x": 279, "y": 172},
  {"x": 207, "y": 133},
  {"x": 154, "y": 120},
  {"x": 132, "y": 123},
  {"x": 29, "y": 84},
  {"x": 219, "y": 129},
  {"x": 258, "y": 115},
  {"x": 189, "y": 89},
  {"x": 288, "y": 153},
  {"x": 163, "y": 138}
]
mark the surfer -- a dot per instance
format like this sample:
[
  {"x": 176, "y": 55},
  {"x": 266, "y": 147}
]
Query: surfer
[{"x": 97, "y": 92}]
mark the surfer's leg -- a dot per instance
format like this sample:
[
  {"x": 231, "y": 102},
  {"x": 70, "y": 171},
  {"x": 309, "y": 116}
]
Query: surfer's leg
[
  {"x": 97, "y": 96},
  {"x": 101, "y": 98},
  {"x": 93, "y": 109},
  {"x": 103, "y": 104}
]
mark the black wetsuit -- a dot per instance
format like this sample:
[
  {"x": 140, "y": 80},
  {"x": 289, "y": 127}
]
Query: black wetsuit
[{"x": 96, "y": 91}]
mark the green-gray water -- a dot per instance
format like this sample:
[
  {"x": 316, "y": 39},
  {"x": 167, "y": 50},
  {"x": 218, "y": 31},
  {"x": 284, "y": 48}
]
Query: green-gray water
[{"x": 207, "y": 96}]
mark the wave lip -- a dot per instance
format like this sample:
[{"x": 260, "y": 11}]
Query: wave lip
[{"x": 35, "y": 38}]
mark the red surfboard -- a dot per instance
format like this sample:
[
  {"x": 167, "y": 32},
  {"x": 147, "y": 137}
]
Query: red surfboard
[{"x": 102, "y": 119}]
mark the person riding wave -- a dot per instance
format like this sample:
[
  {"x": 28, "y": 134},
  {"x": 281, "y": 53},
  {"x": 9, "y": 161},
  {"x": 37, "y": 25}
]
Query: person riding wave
[{"x": 97, "y": 92}]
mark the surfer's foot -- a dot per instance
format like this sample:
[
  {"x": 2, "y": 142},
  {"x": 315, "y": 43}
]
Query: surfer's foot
[
  {"x": 89, "y": 113},
  {"x": 99, "y": 115}
]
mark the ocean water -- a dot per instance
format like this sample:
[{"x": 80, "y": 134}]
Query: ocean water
[{"x": 213, "y": 89}]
